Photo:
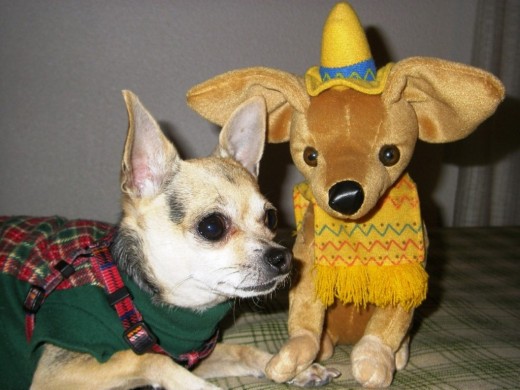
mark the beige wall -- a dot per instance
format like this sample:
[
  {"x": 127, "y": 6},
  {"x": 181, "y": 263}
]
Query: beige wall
[{"x": 63, "y": 64}]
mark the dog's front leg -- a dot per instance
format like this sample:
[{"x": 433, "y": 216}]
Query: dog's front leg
[
  {"x": 60, "y": 369},
  {"x": 245, "y": 360},
  {"x": 233, "y": 360}
]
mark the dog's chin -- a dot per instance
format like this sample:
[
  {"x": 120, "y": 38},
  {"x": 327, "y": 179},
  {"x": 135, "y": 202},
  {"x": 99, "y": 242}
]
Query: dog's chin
[{"x": 259, "y": 288}]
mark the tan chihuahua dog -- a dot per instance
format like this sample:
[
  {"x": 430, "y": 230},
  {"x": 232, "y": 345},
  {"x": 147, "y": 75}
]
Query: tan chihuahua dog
[{"x": 193, "y": 236}]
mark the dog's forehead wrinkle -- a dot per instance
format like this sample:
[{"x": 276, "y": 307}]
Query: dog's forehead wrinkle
[
  {"x": 176, "y": 204},
  {"x": 230, "y": 178},
  {"x": 177, "y": 212}
]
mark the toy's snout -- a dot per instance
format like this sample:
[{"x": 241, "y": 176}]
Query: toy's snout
[{"x": 346, "y": 197}]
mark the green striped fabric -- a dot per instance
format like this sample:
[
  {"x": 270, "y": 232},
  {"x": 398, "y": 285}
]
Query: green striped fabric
[{"x": 466, "y": 335}]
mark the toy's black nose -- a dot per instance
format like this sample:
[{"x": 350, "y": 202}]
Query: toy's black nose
[
  {"x": 346, "y": 197},
  {"x": 279, "y": 260}
]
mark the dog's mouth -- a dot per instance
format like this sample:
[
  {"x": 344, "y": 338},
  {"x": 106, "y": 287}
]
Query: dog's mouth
[{"x": 259, "y": 288}]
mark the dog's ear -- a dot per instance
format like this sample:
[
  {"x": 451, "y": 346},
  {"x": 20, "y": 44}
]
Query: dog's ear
[
  {"x": 284, "y": 93},
  {"x": 449, "y": 99},
  {"x": 148, "y": 158},
  {"x": 243, "y": 136}
]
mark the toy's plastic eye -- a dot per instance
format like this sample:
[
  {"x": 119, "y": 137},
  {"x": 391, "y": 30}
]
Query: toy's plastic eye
[
  {"x": 389, "y": 155},
  {"x": 213, "y": 227},
  {"x": 310, "y": 156},
  {"x": 271, "y": 219}
]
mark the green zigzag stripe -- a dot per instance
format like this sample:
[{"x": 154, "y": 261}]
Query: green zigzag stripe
[{"x": 372, "y": 228}]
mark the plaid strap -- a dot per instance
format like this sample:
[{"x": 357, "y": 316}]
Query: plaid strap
[
  {"x": 136, "y": 333},
  {"x": 37, "y": 294}
]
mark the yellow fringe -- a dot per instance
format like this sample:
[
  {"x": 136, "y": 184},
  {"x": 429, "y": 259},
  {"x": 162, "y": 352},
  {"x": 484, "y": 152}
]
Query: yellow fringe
[{"x": 405, "y": 285}]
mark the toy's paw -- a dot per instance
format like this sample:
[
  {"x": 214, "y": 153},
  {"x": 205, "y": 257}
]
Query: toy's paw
[
  {"x": 373, "y": 363},
  {"x": 314, "y": 376},
  {"x": 294, "y": 357}
]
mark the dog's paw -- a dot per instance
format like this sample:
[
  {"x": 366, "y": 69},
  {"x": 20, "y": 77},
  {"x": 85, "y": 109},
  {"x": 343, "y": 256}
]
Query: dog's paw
[
  {"x": 294, "y": 357},
  {"x": 314, "y": 376},
  {"x": 373, "y": 363}
]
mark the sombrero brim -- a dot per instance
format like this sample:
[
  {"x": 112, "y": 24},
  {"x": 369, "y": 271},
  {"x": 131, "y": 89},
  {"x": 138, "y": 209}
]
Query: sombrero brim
[{"x": 315, "y": 85}]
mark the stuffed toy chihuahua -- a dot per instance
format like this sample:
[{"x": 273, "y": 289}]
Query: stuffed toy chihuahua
[{"x": 361, "y": 243}]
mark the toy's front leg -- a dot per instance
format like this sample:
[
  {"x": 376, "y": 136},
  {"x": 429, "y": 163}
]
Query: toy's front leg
[
  {"x": 383, "y": 347},
  {"x": 306, "y": 313}
]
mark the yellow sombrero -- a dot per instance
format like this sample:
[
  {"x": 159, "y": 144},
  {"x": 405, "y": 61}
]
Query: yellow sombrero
[{"x": 346, "y": 59}]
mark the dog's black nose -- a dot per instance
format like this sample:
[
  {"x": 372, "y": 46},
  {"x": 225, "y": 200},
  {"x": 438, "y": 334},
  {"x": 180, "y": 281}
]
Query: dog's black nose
[
  {"x": 279, "y": 259},
  {"x": 346, "y": 197}
]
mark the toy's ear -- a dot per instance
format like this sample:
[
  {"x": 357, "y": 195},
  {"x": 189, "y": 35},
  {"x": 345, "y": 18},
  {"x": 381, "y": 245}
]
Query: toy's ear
[
  {"x": 217, "y": 98},
  {"x": 450, "y": 99}
]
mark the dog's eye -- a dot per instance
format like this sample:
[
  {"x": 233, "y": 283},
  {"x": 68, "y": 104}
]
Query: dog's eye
[
  {"x": 271, "y": 219},
  {"x": 212, "y": 227},
  {"x": 389, "y": 155},
  {"x": 310, "y": 156}
]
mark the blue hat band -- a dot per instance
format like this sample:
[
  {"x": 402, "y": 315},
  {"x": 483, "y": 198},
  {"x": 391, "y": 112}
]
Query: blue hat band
[{"x": 365, "y": 70}]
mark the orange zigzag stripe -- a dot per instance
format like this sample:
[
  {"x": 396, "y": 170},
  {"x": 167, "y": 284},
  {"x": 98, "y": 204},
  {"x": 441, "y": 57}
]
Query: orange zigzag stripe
[
  {"x": 398, "y": 202},
  {"x": 376, "y": 243},
  {"x": 297, "y": 206},
  {"x": 357, "y": 260},
  {"x": 404, "y": 182}
]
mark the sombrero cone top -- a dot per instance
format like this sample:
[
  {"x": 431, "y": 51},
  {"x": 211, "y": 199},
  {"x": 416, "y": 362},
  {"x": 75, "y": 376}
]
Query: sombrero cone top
[{"x": 346, "y": 59}]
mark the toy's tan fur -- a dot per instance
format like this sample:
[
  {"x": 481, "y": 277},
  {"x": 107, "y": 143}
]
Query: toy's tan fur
[{"x": 424, "y": 98}]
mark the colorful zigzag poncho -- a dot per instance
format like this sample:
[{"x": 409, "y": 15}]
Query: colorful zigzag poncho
[{"x": 378, "y": 259}]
